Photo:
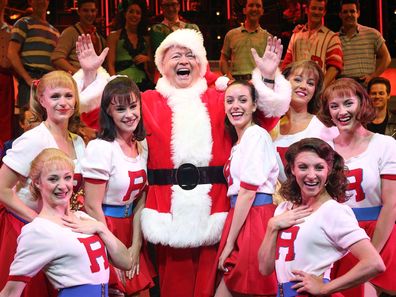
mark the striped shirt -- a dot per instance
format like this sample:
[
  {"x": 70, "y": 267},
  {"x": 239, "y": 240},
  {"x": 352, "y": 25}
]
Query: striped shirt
[
  {"x": 360, "y": 51},
  {"x": 38, "y": 39},
  {"x": 322, "y": 46}
]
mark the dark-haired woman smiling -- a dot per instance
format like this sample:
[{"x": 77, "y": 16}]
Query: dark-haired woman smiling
[{"x": 115, "y": 178}]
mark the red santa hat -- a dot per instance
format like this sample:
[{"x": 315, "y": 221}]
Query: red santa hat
[{"x": 188, "y": 38}]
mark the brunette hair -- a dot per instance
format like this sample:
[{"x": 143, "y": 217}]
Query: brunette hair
[
  {"x": 337, "y": 182},
  {"x": 49, "y": 158},
  {"x": 124, "y": 91},
  {"x": 120, "y": 20},
  {"x": 82, "y": 2},
  {"x": 346, "y": 87},
  {"x": 54, "y": 79},
  {"x": 379, "y": 81},
  {"x": 229, "y": 127},
  {"x": 308, "y": 66},
  {"x": 356, "y": 2},
  {"x": 309, "y": 2}
]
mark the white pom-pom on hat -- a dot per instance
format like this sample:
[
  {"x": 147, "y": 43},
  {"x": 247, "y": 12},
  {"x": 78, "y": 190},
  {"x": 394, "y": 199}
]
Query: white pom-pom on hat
[
  {"x": 222, "y": 83},
  {"x": 188, "y": 38}
]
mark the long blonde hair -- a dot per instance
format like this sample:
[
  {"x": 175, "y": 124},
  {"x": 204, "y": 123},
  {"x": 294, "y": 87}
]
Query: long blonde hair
[
  {"x": 54, "y": 79},
  {"x": 47, "y": 159}
]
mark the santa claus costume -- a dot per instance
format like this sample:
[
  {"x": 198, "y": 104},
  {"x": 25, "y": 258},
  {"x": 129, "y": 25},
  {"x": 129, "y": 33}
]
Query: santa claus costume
[{"x": 188, "y": 146}]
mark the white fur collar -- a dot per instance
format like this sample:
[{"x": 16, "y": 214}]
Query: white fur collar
[{"x": 191, "y": 138}]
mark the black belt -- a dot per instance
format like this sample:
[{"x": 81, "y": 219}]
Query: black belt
[
  {"x": 242, "y": 76},
  {"x": 187, "y": 176}
]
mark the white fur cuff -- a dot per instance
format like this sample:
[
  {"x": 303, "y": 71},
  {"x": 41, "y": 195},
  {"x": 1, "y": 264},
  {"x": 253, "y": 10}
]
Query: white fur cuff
[
  {"x": 272, "y": 102},
  {"x": 91, "y": 96}
]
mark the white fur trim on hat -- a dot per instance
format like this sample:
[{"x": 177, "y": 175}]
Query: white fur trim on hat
[
  {"x": 272, "y": 102},
  {"x": 91, "y": 96},
  {"x": 188, "y": 38}
]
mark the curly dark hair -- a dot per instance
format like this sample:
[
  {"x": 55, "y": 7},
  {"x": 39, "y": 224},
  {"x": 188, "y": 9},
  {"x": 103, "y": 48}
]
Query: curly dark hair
[
  {"x": 229, "y": 127},
  {"x": 337, "y": 182},
  {"x": 122, "y": 90}
]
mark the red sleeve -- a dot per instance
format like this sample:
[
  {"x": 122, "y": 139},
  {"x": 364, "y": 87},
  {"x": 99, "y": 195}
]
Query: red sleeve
[
  {"x": 95, "y": 181},
  {"x": 267, "y": 123},
  {"x": 287, "y": 59},
  {"x": 91, "y": 118},
  {"x": 210, "y": 76},
  {"x": 334, "y": 55}
]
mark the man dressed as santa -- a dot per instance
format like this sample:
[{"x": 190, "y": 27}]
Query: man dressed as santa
[{"x": 188, "y": 145}]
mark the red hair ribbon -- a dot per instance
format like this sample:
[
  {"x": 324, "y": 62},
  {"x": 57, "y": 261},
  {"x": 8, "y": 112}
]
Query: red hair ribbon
[{"x": 35, "y": 83}]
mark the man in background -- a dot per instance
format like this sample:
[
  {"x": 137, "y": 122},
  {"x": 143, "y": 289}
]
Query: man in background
[
  {"x": 64, "y": 56},
  {"x": 379, "y": 89},
  {"x": 32, "y": 41},
  {"x": 316, "y": 42},
  {"x": 171, "y": 22},
  {"x": 236, "y": 60},
  {"x": 365, "y": 53}
]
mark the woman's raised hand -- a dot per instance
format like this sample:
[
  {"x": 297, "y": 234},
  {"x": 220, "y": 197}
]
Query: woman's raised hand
[{"x": 268, "y": 63}]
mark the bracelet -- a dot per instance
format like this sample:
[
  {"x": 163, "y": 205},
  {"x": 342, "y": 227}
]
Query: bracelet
[{"x": 269, "y": 81}]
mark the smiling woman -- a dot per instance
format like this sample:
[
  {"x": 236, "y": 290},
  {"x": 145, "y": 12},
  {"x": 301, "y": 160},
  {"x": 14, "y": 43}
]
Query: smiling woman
[
  {"x": 306, "y": 222},
  {"x": 129, "y": 47},
  {"x": 250, "y": 189},
  {"x": 55, "y": 103},
  {"x": 114, "y": 169},
  {"x": 70, "y": 247},
  {"x": 371, "y": 160},
  {"x": 300, "y": 120}
]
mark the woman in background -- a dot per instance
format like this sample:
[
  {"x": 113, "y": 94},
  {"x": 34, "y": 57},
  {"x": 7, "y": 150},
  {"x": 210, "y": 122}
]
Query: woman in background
[{"x": 129, "y": 52}]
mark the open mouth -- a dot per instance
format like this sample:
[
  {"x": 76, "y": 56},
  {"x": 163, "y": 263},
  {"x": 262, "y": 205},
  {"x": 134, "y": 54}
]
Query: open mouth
[
  {"x": 61, "y": 195},
  {"x": 183, "y": 72},
  {"x": 301, "y": 94},
  {"x": 237, "y": 115},
  {"x": 129, "y": 123},
  {"x": 344, "y": 120},
  {"x": 311, "y": 184}
]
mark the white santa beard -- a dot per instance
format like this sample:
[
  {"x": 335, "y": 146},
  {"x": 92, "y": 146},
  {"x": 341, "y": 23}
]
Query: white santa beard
[{"x": 190, "y": 223}]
